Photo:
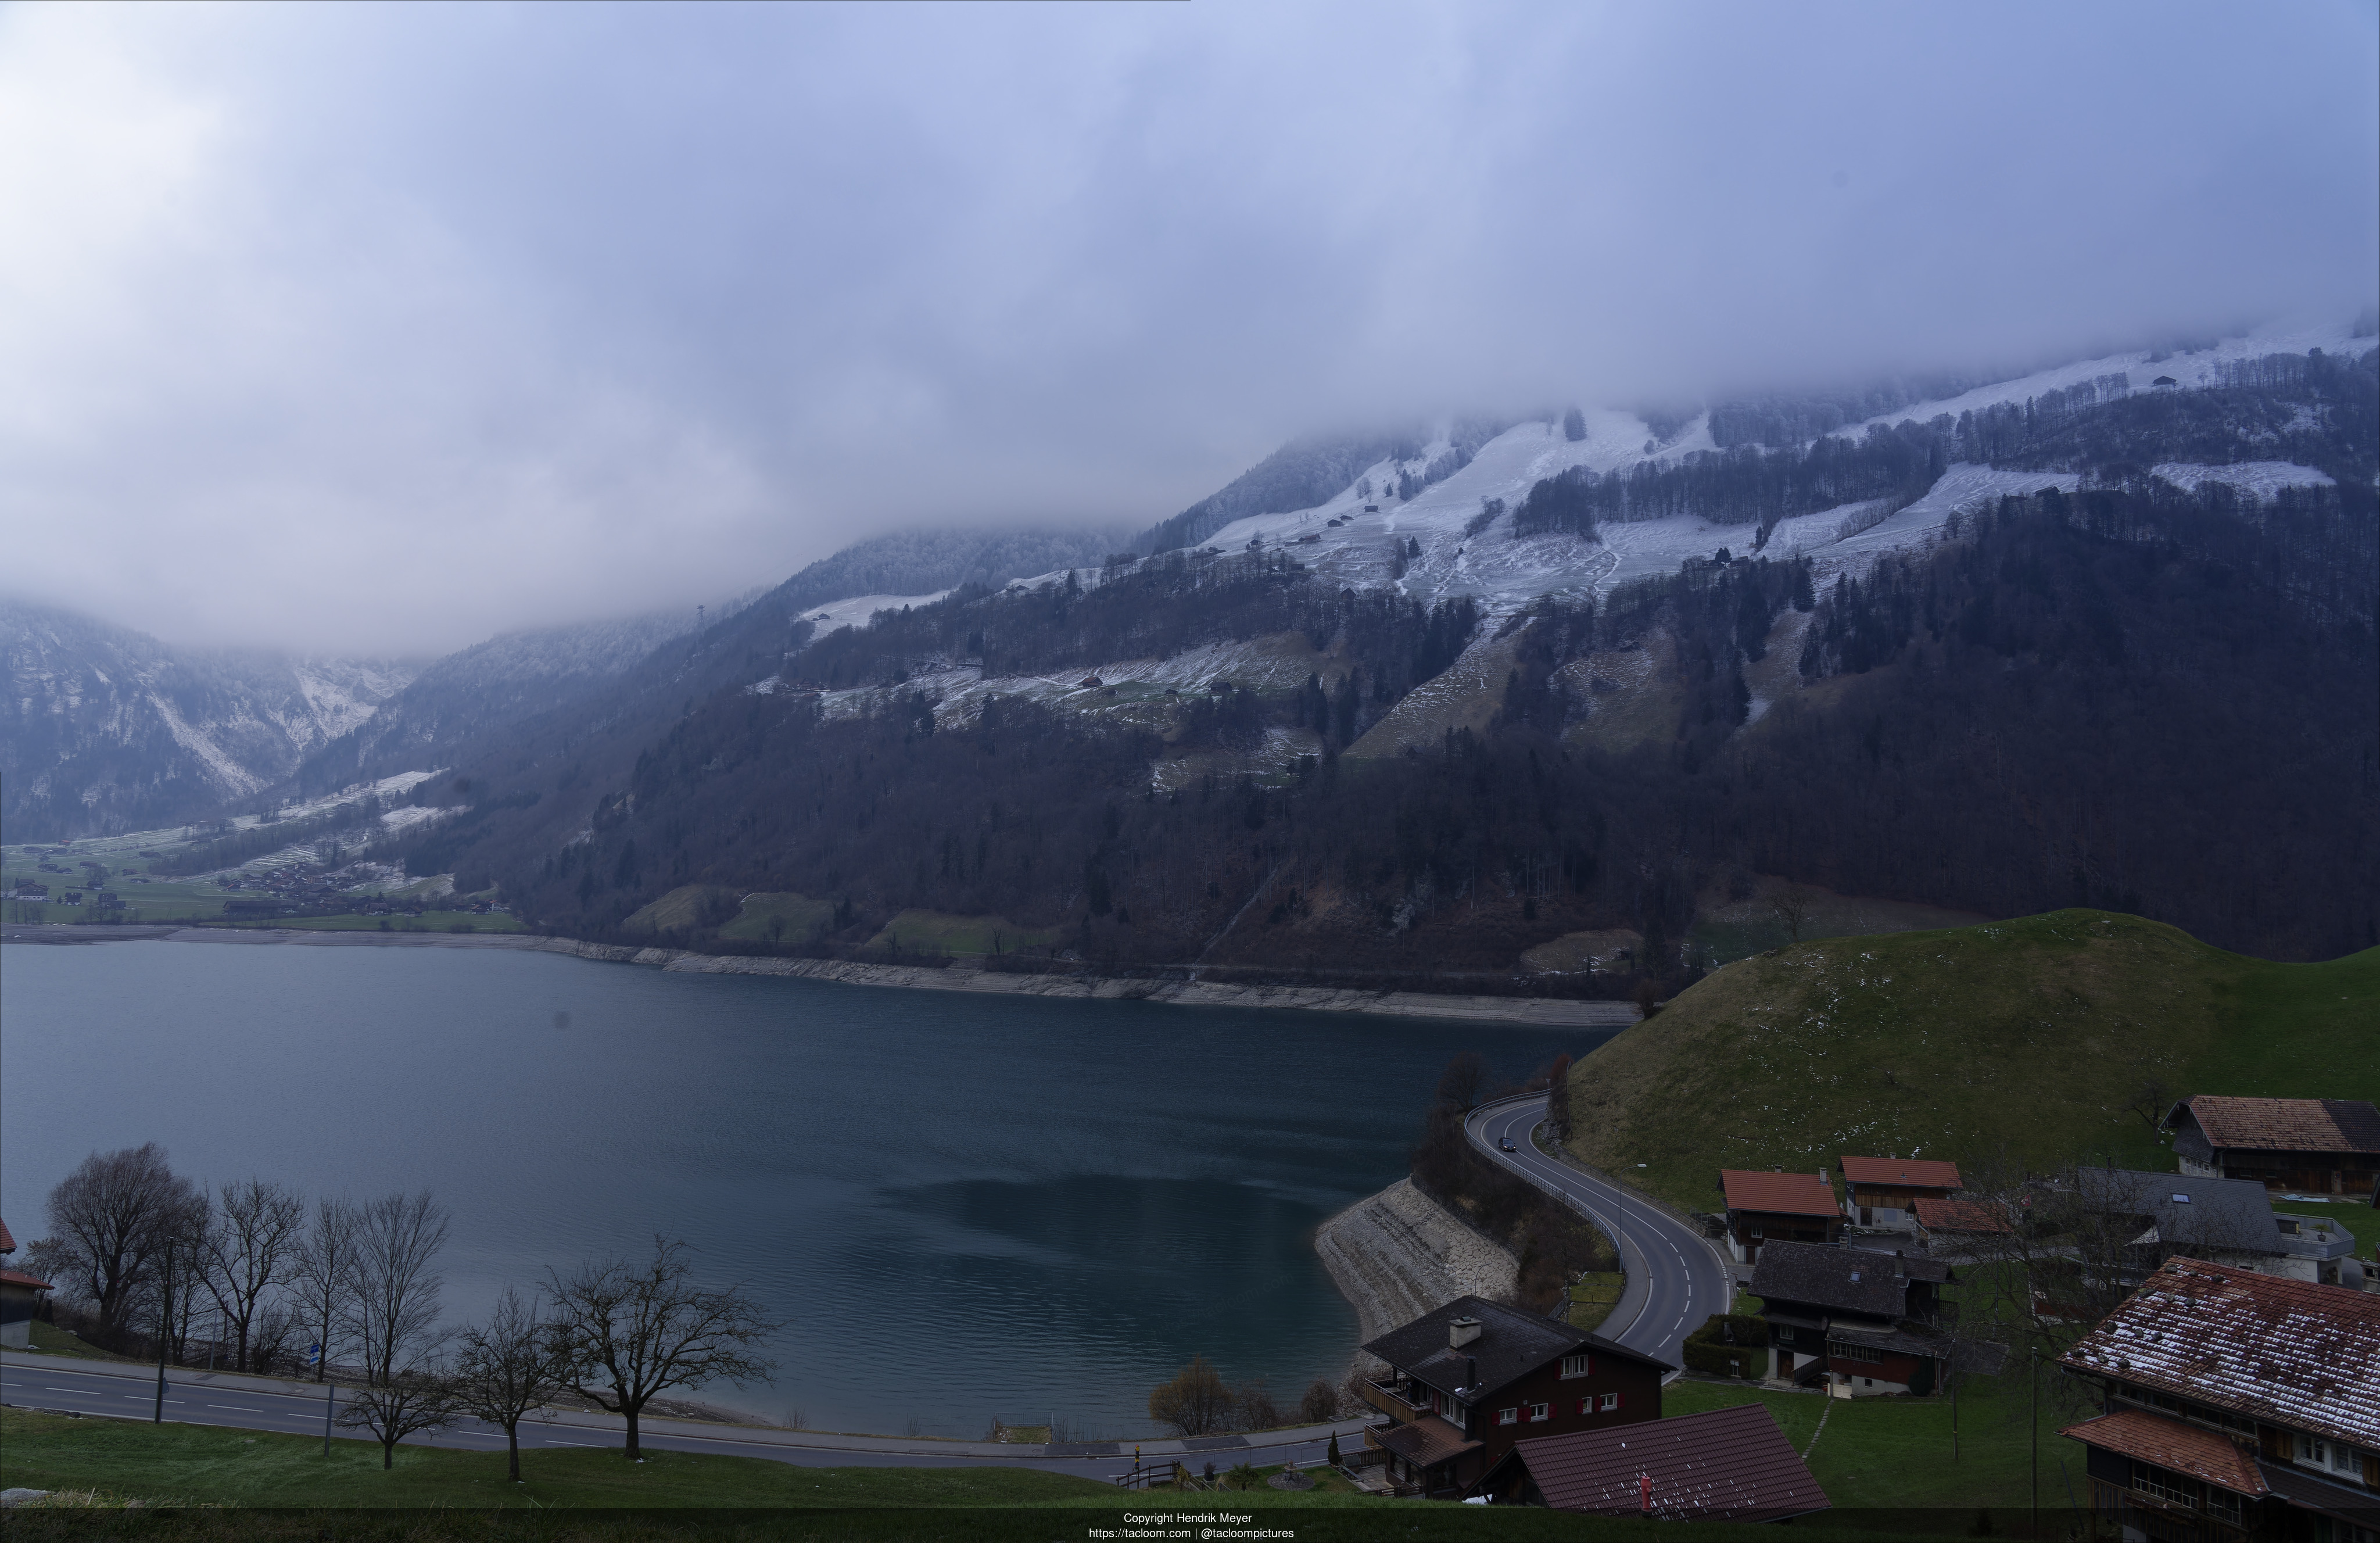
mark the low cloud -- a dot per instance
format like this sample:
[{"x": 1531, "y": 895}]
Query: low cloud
[{"x": 384, "y": 329}]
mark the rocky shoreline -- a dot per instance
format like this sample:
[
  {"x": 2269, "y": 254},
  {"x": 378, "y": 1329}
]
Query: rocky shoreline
[
  {"x": 1399, "y": 1254},
  {"x": 1532, "y": 1012}
]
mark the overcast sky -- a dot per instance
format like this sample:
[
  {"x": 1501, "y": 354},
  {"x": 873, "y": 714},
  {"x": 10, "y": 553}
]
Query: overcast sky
[{"x": 357, "y": 329}]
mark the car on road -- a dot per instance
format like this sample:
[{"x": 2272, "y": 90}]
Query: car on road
[{"x": 1507, "y": 1145}]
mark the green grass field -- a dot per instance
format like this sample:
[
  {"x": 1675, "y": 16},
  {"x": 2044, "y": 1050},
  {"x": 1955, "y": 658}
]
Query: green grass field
[
  {"x": 779, "y": 918},
  {"x": 181, "y": 1473},
  {"x": 2018, "y": 1041},
  {"x": 428, "y": 921},
  {"x": 935, "y": 932}
]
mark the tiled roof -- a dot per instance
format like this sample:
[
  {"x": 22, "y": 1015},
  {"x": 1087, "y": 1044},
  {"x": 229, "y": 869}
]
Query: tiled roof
[
  {"x": 7, "y": 1241},
  {"x": 1787, "y": 1194},
  {"x": 2310, "y": 1491},
  {"x": 1426, "y": 1441},
  {"x": 2290, "y": 1352},
  {"x": 1847, "y": 1280},
  {"x": 1941, "y": 1213},
  {"x": 19, "y": 1277},
  {"x": 2185, "y": 1449},
  {"x": 1512, "y": 1343},
  {"x": 2285, "y": 1125},
  {"x": 1728, "y": 1464},
  {"x": 1906, "y": 1173}
]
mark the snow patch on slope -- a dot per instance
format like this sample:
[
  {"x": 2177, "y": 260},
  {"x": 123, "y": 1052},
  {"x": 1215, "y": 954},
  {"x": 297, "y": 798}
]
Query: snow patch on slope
[{"x": 2256, "y": 480}]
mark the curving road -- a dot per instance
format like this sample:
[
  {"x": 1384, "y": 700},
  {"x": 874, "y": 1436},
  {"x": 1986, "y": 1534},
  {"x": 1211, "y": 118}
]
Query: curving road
[{"x": 1675, "y": 1280}]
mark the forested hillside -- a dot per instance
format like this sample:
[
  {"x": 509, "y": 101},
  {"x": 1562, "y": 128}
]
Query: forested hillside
[{"x": 2134, "y": 698}]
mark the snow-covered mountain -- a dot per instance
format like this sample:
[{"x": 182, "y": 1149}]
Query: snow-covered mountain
[{"x": 108, "y": 729}]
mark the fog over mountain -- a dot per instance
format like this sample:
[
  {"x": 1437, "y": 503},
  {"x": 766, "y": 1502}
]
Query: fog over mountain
[{"x": 379, "y": 331}]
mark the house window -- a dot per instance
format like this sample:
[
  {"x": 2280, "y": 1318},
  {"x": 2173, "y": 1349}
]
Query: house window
[
  {"x": 1611, "y": 1401},
  {"x": 1837, "y": 1351},
  {"x": 1578, "y": 1366},
  {"x": 1508, "y": 1416},
  {"x": 1586, "y": 1404},
  {"x": 1540, "y": 1412},
  {"x": 2315, "y": 1453},
  {"x": 2165, "y": 1485},
  {"x": 2223, "y": 1506}
]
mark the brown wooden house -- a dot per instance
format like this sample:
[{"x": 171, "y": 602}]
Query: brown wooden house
[
  {"x": 1797, "y": 1207},
  {"x": 1855, "y": 1321},
  {"x": 2235, "y": 1405},
  {"x": 1884, "y": 1192},
  {"x": 2310, "y": 1146},
  {"x": 1465, "y": 1382}
]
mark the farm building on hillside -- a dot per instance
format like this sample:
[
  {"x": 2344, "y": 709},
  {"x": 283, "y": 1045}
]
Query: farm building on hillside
[
  {"x": 1797, "y": 1207},
  {"x": 2314, "y": 1146},
  {"x": 1857, "y": 1322},
  {"x": 2231, "y": 1220},
  {"x": 1884, "y": 1192},
  {"x": 2234, "y": 1405}
]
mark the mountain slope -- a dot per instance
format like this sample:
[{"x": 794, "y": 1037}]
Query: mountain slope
[
  {"x": 2023, "y": 1040},
  {"x": 107, "y": 729}
]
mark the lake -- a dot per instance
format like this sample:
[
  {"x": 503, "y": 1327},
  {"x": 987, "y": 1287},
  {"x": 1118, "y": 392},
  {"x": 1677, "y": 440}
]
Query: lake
[{"x": 962, "y": 1207}]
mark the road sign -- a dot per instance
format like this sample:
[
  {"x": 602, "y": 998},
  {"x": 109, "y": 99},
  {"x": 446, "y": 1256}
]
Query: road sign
[{"x": 313, "y": 1353}]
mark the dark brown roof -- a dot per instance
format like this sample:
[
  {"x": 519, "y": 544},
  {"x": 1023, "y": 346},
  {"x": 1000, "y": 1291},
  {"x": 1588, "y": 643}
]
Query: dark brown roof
[
  {"x": 19, "y": 1277},
  {"x": 1728, "y": 1464},
  {"x": 1941, "y": 1214},
  {"x": 1846, "y": 1280},
  {"x": 1784, "y": 1193},
  {"x": 2170, "y": 1444},
  {"x": 1512, "y": 1343},
  {"x": 1901, "y": 1172},
  {"x": 1426, "y": 1441},
  {"x": 2290, "y": 1352},
  {"x": 7, "y": 1242},
  {"x": 2283, "y": 1124}
]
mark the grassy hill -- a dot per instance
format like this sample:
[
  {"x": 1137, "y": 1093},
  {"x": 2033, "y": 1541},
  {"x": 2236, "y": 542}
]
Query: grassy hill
[{"x": 2021, "y": 1040}]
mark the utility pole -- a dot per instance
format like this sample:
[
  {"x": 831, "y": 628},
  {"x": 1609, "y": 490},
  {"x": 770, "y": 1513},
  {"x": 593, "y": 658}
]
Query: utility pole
[
  {"x": 2032, "y": 1364},
  {"x": 329, "y": 1397},
  {"x": 164, "y": 1332}
]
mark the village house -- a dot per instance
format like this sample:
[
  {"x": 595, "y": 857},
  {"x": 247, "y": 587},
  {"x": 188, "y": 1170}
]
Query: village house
[
  {"x": 1465, "y": 1382},
  {"x": 2229, "y": 1221},
  {"x": 1951, "y": 1221},
  {"x": 2309, "y": 1146},
  {"x": 20, "y": 1298},
  {"x": 1856, "y": 1321},
  {"x": 1722, "y": 1466},
  {"x": 1884, "y": 1192},
  {"x": 1796, "y": 1208},
  {"x": 2234, "y": 1405}
]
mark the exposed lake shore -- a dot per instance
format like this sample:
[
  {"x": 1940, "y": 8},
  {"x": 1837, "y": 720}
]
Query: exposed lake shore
[{"x": 1533, "y": 1012}]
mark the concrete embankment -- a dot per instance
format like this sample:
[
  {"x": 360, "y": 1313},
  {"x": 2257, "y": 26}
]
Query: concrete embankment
[
  {"x": 1533, "y": 1012},
  {"x": 1399, "y": 1254}
]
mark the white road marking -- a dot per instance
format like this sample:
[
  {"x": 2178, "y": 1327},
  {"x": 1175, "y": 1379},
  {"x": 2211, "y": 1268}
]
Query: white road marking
[
  {"x": 237, "y": 1409},
  {"x": 552, "y": 1443}
]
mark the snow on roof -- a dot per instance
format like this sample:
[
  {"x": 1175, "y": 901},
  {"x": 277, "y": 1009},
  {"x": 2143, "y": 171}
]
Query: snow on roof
[
  {"x": 2283, "y": 1124},
  {"x": 2288, "y": 1352},
  {"x": 1727, "y": 1465}
]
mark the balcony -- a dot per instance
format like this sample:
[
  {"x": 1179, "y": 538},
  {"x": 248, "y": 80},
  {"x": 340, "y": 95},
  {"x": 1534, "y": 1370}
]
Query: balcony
[{"x": 1399, "y": 1399}]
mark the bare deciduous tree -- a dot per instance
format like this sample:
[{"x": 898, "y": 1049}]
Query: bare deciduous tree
[
  {"x": 1196, "y": 1403},
  {"x": 111, "y": 1220},
  {"x": 1558, "y": 1098},
  {"x": 623, "y": 1335},
  {"x": 391, "y": 1311},
  {"x": 1789, "y": 904},
  {"x": 506, "y": 1368},
  {"x": 1459, "y": 1084},
  {"x": 248, "y": 1252},
  {"x": 418, "y": 1397},
  {"x": 322, "y": 1272}
]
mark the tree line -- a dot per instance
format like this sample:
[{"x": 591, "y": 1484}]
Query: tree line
[{"x": 146, "y": 1261}]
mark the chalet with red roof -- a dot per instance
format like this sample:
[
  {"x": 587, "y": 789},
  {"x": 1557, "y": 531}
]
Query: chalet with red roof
[
  {"x": 1724, "y": 1465},
  {"x": 2234, "y": 1405},
  {"x": 1884, "y": 1192},
  {"x": 1798, "y": 1207},
  {"x": 2310, "y": 1146}
]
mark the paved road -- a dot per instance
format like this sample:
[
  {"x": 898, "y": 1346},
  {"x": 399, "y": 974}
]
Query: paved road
[
  {"x": 1674, "y": 1280},
  {"x": 120, "y": 1390}
]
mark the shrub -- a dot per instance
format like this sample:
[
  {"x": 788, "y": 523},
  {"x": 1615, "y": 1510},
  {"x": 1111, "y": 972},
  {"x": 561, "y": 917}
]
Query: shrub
[{"x": 1321, "y": 1403}]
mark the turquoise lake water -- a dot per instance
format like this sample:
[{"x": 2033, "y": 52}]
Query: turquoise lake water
[{"x": 962, "y": 1207}]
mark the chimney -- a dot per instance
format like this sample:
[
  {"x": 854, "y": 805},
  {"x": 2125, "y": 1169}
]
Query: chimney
[
  {"x": 1462, "y": 1332},
  {"x": 1471, "y": 1374}
]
